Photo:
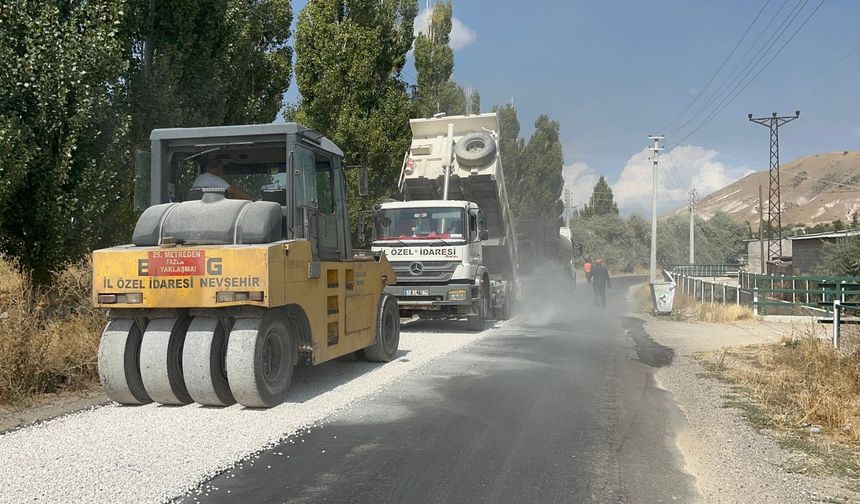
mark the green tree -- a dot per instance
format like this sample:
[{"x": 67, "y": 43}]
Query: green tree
[
  {"x": 474, "y": 103},
  {"x": 625, "y": 244},
  {"x": 434, "y": 64},
  {"x": 349, "y": 58},
  {"x": 63, "y": 130},
  {"x": 539, "y": 182},
  {"x": 613, "y": 239},
  {"x": 601, "y": 201},
  {"x": 719, "y": 239},
  {"x": 511, "y": 146},
  {"x": 207, "y": 62},
  {"x": 841, "y": 257}
]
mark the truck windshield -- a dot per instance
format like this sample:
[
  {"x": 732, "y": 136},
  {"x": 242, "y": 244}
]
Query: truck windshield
[{"x": 420, "y": 224}]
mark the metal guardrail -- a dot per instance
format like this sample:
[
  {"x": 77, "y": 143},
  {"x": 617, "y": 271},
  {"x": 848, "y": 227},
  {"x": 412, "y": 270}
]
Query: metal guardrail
[
  {"x": 825, "y": 296},
  {"x": 706, "y": 270},
  {"x": 763, "y": 291}
]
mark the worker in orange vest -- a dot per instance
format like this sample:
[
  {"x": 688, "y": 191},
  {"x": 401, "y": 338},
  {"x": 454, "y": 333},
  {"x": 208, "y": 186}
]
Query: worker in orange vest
[{"x": 587, "y": 268}]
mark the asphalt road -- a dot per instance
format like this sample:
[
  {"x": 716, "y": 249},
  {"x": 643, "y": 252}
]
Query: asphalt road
[{"x": 560, "y": 406}]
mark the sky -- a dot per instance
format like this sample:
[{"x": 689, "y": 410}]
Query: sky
[{"x": 612, "y": 72}]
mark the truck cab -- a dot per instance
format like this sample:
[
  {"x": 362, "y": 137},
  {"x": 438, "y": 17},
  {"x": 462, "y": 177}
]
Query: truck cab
[{"x": 435, "y": 248}]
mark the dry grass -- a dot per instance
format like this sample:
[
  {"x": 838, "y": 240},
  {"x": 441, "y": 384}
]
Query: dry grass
[
  {"x": 687, "y": 309},
  {"x": 798, "y": 387},
  {"x": 48, "y": 337}
]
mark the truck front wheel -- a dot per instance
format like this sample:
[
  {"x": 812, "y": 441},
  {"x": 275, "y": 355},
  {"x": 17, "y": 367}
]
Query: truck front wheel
[{"x": 481, "y": 307}]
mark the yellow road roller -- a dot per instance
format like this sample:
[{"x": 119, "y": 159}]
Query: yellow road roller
[{"x": 241, "y": 266}]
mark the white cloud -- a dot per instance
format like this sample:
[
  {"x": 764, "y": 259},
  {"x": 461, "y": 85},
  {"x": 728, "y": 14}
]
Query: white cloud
[
  {"x": 461, "y": 35},
  {"x": 580, "y": 179},
  {"x": 681, "y": 168}
]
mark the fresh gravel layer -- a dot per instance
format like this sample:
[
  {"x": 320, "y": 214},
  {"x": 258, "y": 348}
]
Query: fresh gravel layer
[
  {"x": 155, "y": 453},
  {"x": 732, "y": 462}
]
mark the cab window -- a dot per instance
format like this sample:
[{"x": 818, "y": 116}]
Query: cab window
[{"x": 251, "y": 168}]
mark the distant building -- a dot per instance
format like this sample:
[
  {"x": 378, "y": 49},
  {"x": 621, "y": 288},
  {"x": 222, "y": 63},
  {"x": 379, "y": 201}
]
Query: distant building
[
  {"x": 807, "y": 250},
  {"x": 754, "y": 253}
]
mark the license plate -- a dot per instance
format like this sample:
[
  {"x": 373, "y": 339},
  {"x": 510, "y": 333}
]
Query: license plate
[{"x": 416, "y": 292}]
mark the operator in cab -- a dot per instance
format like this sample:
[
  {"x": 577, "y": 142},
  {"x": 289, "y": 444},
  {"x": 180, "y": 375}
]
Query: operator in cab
[{"x": 213, "y": 178}]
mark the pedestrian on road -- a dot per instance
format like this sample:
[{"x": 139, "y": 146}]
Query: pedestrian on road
[
  {"x": 587, "y": 268},
  {"x": 600, "y": 282}
]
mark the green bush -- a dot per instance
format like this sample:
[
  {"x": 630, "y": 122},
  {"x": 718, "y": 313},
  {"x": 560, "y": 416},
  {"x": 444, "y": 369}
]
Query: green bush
[
  {"x": 841, "y": 258},
  {"x": 624, "y": 244}
]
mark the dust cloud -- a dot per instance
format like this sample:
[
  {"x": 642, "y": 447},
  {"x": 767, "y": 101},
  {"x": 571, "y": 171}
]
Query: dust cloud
[{"x": 550, "y": 297}]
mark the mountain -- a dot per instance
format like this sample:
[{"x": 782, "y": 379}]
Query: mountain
[{"x": 815, "y": 189}]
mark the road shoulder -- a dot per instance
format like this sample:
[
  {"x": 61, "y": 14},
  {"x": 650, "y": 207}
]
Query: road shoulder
[
  {"x": 731, "y": 460},
  {"x": 48, "y": 407}
]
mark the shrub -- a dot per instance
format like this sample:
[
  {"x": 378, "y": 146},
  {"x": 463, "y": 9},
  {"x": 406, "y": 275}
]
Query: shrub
[{"x": 49, "y": 336}]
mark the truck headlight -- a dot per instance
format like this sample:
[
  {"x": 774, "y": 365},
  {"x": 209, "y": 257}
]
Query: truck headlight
[{"x": 457, "y": 295}]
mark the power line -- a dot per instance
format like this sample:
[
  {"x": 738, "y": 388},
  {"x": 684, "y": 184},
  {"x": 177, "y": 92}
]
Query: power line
[
  {"x": 722, "y": 65},
  {"x": 733, "y": 97},
  {"x": 729, "y": 78},
  {"x": 816, "y": 76},
  {"x": 678, "y": 183},
  {"x": 748, "y": 68}
]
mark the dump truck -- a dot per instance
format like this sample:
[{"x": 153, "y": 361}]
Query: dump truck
[
  {"x": 227, "y": 285},
  {"x": 452, "y": 240}
]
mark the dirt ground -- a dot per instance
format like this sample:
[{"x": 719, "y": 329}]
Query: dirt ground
[
  {"x": 48, "y": 406},
  {"x": 731, "y": 460}
]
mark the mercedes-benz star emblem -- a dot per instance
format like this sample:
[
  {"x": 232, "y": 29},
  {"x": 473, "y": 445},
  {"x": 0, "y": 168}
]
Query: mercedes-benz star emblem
[{"x": 416, "y": 268}]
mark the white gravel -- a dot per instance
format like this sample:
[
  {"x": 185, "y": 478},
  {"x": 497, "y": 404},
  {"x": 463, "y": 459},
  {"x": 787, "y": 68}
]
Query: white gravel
[{"x": 155, "y": 453}]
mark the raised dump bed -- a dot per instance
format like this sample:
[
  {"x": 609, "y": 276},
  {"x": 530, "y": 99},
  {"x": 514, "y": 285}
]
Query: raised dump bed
[{"x": 469, "y": 146}]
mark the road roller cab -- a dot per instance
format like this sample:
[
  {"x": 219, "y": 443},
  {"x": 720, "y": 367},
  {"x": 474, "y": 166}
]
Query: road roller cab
[{"x": 217, "y": 298}]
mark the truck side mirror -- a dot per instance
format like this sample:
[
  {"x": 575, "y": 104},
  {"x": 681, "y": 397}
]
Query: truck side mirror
[
  {"x": 484, "y": 235},
  {"x": 142, "y": 174},
  {"x": 362, "y": 181}
]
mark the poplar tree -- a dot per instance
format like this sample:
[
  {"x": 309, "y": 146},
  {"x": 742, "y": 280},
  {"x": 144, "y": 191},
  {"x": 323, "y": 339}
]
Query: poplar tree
[
  {"x": 83, "y": 83},
  {"x": 540, "y": 182},
  {"x": 63, "y": 129},
  {"x": 207, "y": 62},
  {"x": 434, "y": 65},
  {"x": 601, "y": 201},
  {"x": 349, "y": 58},
  {"x": 511, "y": 147}
]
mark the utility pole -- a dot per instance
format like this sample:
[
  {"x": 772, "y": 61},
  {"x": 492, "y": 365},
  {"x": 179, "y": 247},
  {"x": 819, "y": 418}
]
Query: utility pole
[
  {"x": 567, "y": 207},
  {"x": 468, "y": 94},
  {"x": 761, "y": 231},
  {"x": 774, "y": 217},
  {"x": 694, "y": 198},
  {"x": 655, "y": 150}
]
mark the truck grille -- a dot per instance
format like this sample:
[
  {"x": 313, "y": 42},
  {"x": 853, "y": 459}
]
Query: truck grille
[{"x": 427, "y": 271}]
